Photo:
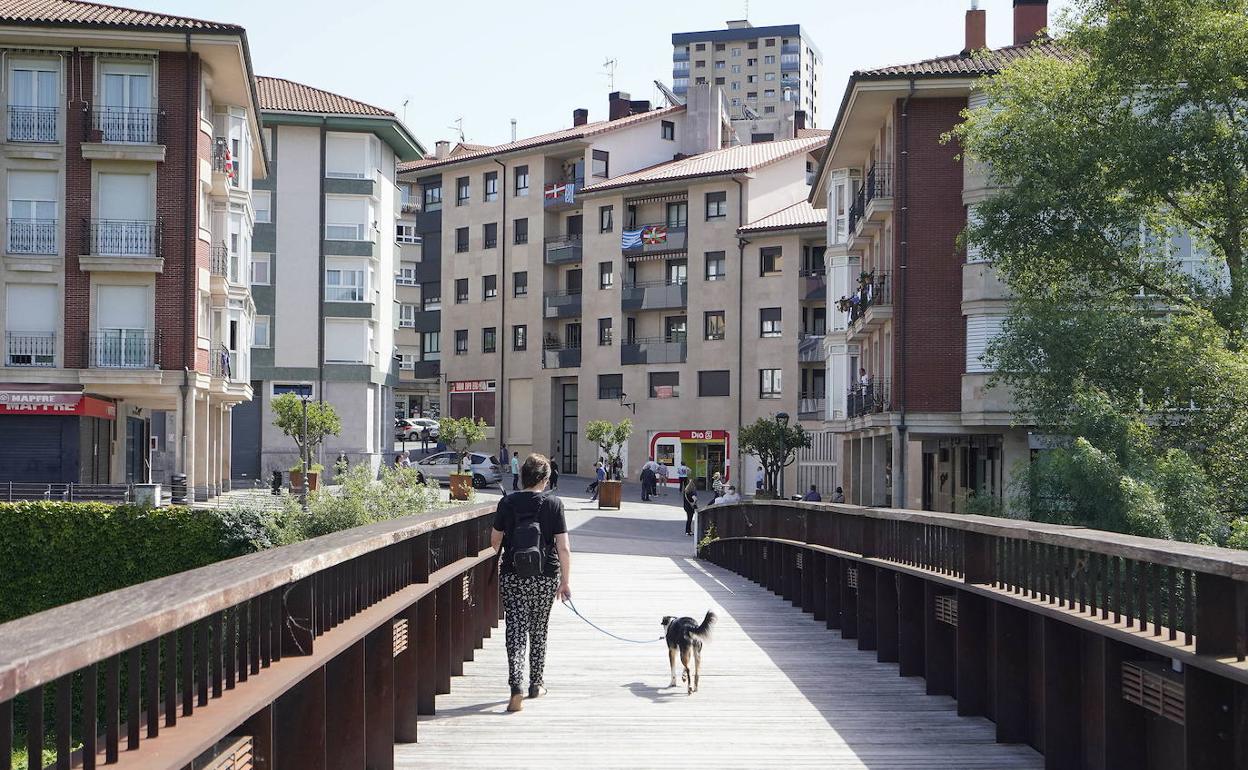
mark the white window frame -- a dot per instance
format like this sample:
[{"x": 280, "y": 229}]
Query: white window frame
[
  {"x": 405, "y": 232},
  {"x": 261, "y": 322},
  {"x": 407, "y": 315},
  {"x": 406, "y": 275},
  {"x": 266, "y": 210},
  {"x": 257, "y": 259},
  {"x": 336, "y": 290}
]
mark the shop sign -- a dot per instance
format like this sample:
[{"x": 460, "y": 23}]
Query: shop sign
[
  {"x": 33, "y": 402},
  {"x": 472, "y": 386},
  {"x": 703, "y": 435}
]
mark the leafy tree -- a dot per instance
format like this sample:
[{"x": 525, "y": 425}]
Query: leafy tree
[
  {"x": 460, "y": 433},
  {"x": 610, "y": 438},
  {"x": 774, "y": 445},
  {"x": 322, "y": 421}
]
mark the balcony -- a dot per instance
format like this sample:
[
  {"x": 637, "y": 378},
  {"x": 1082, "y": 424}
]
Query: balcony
[
  {"x": 563, "y": 249},
  {"x": 810, "y": 349},
  {"x": 34, "y": 124},
  {"x": 814, "y": 284},
  {"x": 562, "y": 195},
  {"x": 225, "y": 167},
  {"x": 222, "y": 363},
  {"x": 123, "y": 349},
  {"x": 874, "y": 198},
  {"x": 124, "y": 133},
  {"x": 872, "y": 398},
  {"x": 30, "y": 350},
  {"x": 811, "y": 407},
  {"x": 221, "y": 261},
  {"x": 426, "y": 370},
  {"x": 657, "y": 238},
  {"x": 556, "y": 355},
  {"x": 32, "y": 236},
  {"x": 654, "y": 295},
  {"x": 874, "y": 293},
  {"x": 122, "y": 245},
  {"x": 791, "y": 82},
  {"x": 654, "y": 350},
  {"x": 563, "y": 304}
]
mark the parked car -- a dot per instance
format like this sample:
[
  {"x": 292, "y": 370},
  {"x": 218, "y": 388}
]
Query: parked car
[
  {"x": 410, "y": 428},
  {"x": 440, "y": 466}
]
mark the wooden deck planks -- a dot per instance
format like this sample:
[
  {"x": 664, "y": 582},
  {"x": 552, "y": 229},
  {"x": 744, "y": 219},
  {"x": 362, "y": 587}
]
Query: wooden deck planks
[{"x": 777, "y": 688}]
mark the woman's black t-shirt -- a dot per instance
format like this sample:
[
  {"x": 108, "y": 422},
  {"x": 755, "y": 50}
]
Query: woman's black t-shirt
[{"x": 550, "y": 516}]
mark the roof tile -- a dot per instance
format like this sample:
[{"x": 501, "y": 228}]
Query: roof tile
[
  {"x": 283, "y": 95},
  {"x": 72, "y": 13},
  {"x": 800, "y": 214},
  {"x": 986, "y": 62}
]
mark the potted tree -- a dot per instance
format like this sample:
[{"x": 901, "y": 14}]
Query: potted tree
[
  {"x": 610, "y": 438},
  {"x": 459, "y": 433},
  {"x": 322, "y": 421},
  {"x": 775, "y": 443}
]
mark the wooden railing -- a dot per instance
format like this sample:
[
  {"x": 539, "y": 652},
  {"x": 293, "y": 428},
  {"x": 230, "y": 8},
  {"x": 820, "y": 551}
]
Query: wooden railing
[
  {"x": 322, "y": 653},
  {"x": 1098, "y": 649}
]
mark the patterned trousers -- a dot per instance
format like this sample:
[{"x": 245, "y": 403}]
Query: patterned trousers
[{"x": 527, "y": 603}]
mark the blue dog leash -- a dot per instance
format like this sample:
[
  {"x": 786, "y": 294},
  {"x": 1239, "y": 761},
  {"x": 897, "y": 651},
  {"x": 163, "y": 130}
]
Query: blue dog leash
[{"x": 568, "y": 603}]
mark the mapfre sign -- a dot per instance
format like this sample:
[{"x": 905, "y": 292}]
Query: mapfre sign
[{"x": 36, "y": 402}]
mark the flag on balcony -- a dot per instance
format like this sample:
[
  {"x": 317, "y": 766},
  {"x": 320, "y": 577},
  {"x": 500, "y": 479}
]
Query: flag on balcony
[
  {"x": 653, "y": 235},
  {"x": 564, "y": 190},
  {"x": 630, "y": 239}
]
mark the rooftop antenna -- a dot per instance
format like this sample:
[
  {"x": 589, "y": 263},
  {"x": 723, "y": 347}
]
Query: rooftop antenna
[
  {"x": 668, "y": 94},
  {"x": 405, "y": 101},
  {"x": 459, "y": 128},
  {"x": 609, "y": 65},
  {"x": 747, "y": 10}
]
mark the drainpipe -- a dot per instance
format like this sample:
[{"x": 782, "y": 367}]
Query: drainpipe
[
  {"x": 741, "y": 244},
  {"x": 190, "y": 272},
  {"x": 320, "y": 279},
  {"x": 903, "y": 255},
  {"x": 501, "y": 337}
]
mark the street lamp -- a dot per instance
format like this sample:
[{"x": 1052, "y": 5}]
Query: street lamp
[
  {"x": 304, "y": 398},
  {"x": 782, "y": 419},
  {"x": 629, "y": 405}
]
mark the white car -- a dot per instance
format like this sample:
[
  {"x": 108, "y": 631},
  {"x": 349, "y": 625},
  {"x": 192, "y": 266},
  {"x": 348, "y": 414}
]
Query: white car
[
  {"x": 411, "y": 428},
  {"x": 439, "y": 467}
]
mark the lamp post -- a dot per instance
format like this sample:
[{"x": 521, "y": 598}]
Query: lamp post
[
  {"x": 782, "y": 419},
  {"x": 307, "y": 453}
]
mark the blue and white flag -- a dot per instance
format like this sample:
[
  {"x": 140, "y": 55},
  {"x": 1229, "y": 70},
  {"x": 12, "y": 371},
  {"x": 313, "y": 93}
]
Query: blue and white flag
[{"x": 630, "y": 239}]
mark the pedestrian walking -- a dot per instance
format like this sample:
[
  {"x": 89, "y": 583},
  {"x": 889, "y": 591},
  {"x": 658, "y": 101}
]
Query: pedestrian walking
[
  {"x": 682, "y": 473},
  {"x": 717, "y": 485},
  {"x": 813, "y": 495},
  {"x": 617, "y": 469},
  {"x": 690, "y": 495},
  {"x": 531, "y": 525},
  {"x": 600, "y": 475},
  {"x": 554, "y": 475},
  {"x": 649, "y": 472},
  {"x": 660, "y": 478},
  {"x": 515, "y": 471},
  {"x": 424, "y": 439}
]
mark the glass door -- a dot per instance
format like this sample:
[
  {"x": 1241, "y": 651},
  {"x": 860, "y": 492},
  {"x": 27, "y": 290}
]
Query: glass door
[
  {"x": 571, "y": 433},
  {"x": 127, "y": 114},
  {"x": 33, "y": 102}
]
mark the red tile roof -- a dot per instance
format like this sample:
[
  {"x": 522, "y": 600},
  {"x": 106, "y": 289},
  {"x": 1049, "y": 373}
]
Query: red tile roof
[
  {"x": 973, "y": 64},
  {"x": 281, "y": 95},
  {"x": 733, "y": 160},
  {"x": 76, "y": 13},
  {"x": 800, "y": 214}
]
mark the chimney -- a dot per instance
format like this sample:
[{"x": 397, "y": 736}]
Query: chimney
[
  {"x": 441, "y": 149},
  {"x": 620, "y": 105},
  {"x": 580, "y": 116},
  {"x": 1030, "y": 17},
  {"x": 799, "y": 120},
  {"x": 976, "y": 28}
]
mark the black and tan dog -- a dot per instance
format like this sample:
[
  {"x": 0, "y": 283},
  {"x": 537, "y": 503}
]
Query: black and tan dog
[{"x": 686, "y": 635}]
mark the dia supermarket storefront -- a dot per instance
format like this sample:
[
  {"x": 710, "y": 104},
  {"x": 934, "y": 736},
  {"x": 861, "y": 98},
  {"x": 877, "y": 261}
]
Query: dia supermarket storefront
[{"x": 704, "y": 451}]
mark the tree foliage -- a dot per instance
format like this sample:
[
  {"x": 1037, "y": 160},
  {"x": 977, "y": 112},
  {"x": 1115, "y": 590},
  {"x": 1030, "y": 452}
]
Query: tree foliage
[
  {"x": 774, "y": 445},
  {"x": 610, "y": 438},
  {"x": 460, "y": 433},
  {"x": 288, "y": 418}
]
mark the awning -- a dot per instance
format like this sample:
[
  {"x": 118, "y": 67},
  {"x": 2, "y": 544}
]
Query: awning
[
  {"x": 55, "y": 403},
  {"x": 656, "y": 256},
  {"x": 676, "y": 196}
]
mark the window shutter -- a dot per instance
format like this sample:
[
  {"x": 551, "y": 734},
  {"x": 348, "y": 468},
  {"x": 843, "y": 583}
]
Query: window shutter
[{"x": 980, "y": 331}]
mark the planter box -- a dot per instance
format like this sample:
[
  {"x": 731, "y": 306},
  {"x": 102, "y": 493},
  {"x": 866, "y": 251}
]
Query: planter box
[
  {"x": 296, "y": 481},
  {"x": 314, "y": 480},
  {"x": 461, "y": 486},
  {"x": 609, "y": 493}
]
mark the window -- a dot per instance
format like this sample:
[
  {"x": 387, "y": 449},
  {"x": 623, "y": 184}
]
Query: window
[
  {"x": 751, "y": 62},
  {"x": 34, "y": 96},
  {"x": 719, "y": 81},
  {"x": 432, "y": 194},
  {"x": 769, "y": 383},
  {"x": 488, "y": 339},
  {"x": 519, "y": 337},
  {"x": 520, "y": 283},
  {"x": 713, "y": 383},
  {"x": 736, "y": 52},
  {"x": 489, "y": 287},
  {"x": 713, "y": 325},
  {"x": 431, "y": 296},
  {"x": 736, "y": 70},
  {"x": 462, "y": 191},
  {"x": 751, "y": 78},
  {"x": 520, "y": 230},
  {"x": 461, "y": 240},
  {"x": 346, "y": 218},
  {"x": 489, "y": 235},
  {"x": 431, "y": 346},
  {"x": 261, "y": 269},
  {"x": 769, "y": 322},
  {"x": 344, "y": 285},
  {"x": 677, "y": 271},
  {"x": 461, "y": 291},
  {"x": 32, "y": 213},
  {"x": 769, "y": 93},
  {"x": 604, "y": 331},
  {"x": 720, "y": 46},
  {"x": 735, "y": 86},
  {"x": 606, "y": 218},
  {"x": 298, "y": 388},
  {"x": 260, "y": 332},
  {"x": 346, "y": 156},
  {"x": 769, "y": 76},
  {"x": 699, "y": 81},
  {"x": 715, "y": 266},
  {"x": 769, "y": 59},
  {"x": 461, "y": 342},
  {"x": 677, "y": 214},
  {"x": 601, "y": 164},
  {"x": 699, "y": 47},
  {"x": 473, "y": 399},
  {"x": 770, "y": 42},
  {"x": 751, "y": 94},
  {"x": 667, "y": 130},
  {"x": 610, "y": 387},
  {"x": 664, "y": 384},
  {"x": 770, "y": 260},
  {"x": 407, "y": 316},
  {"x": 752, "y": 45},
  {"x": 405, "y": 277},
  {"x": 606, "y": 275},
  {"x": 756, "y": 138},
  {"x": 716, "y": 205},
  {"x": 126, "y": 96},
  {"x": 700, "y": 65},
  {"x": 768, "y": 110},
  {"x": 491, "y": 186},
  {"x": 406, "y": 233},
  {"x": 521, "y": 175},
  {"x": 262, "y": 203}
]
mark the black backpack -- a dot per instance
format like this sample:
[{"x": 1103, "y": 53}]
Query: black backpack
[{"x": 528, "y": 556}]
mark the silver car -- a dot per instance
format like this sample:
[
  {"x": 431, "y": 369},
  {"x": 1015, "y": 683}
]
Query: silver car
[
  {"x": 439, "y": 467},
  {"x": 410, "y": 428}
]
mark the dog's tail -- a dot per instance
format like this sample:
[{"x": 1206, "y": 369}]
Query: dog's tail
[{"x": 704, "y": 631}]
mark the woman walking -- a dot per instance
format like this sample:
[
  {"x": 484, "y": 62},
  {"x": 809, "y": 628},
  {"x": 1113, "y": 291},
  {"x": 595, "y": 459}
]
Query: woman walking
[
  {"x": 528, "y": 592},
  {"x": 690, "y": 494}
]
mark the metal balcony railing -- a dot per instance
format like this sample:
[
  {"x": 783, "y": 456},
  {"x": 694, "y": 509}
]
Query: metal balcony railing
[
  {"x": 871, "y": 398},
  {"x": 221, "y": 260},
  {"x": 123, "y": 349},
  {"x": 123, "y": 238},
  {"x": 874, "y": 290},
  {"x": 222, "y": 363},
  {"x": 811, "y": 407},
  {"x": 562, "y": 304},
  {"x": 32, "y": 236},
  {"x": 672, "y": 349},
  {"x": 654, "y": 295},
  {"x": 653, "y": 238},
  {"x": 33, "y": 124},
  {"x": 563, "y": 249},
  {"x": 814, "y": 283},
  {"x": 26, "y": 349},
  {"x": 223, "y": 161},
  {"x": 126, "y": 125},
  {"x": 562, "y": 194},
  {"x": 878, "y": 184},
  {"x": 558, "y": 355}
]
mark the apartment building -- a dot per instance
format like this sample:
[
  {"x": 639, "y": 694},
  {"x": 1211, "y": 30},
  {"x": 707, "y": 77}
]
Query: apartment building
[
  {"x": 130, "y": 140},
  {"x": 770, "y": 75},
  {"x": 911, "y": 314},
  {"x": 325, "y": 255}
]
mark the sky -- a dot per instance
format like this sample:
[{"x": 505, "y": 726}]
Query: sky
[{"x": 487, "y": 61}]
